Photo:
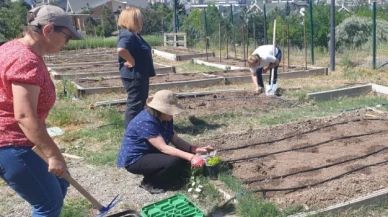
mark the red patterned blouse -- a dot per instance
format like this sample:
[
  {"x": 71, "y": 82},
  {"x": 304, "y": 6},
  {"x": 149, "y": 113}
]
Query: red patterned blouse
[{"x": 18, "y": 63}]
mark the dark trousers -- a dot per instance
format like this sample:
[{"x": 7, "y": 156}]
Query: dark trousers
[
  {"x": 137, "y": 94},
  {"x": 259, "y": 71},
  {"x": 161, "y": 170}
]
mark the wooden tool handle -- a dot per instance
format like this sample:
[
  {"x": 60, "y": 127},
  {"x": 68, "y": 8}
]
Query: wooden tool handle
[
  {"x": 73, "y": 182},
  {"x": 274, "y": 49}
]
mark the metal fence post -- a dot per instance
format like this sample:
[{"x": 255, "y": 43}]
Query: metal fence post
[
  {"x": 374, "y": 34},
  {"x": 311, "y": 32},
  {"x": 332, "y": 36},
  {"x": 265, "y": 25}
]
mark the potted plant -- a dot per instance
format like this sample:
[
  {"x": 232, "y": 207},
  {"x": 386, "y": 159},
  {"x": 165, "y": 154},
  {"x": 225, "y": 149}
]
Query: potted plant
[{"x": 213, "y": 167}]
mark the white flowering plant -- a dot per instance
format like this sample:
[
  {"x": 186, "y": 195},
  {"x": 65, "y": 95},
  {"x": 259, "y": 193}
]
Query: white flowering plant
[{"x": 195, "y": 188}]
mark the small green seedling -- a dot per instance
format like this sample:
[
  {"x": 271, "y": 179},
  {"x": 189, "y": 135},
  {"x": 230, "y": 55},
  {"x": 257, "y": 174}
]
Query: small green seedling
[{"x": 214, "y": 161}]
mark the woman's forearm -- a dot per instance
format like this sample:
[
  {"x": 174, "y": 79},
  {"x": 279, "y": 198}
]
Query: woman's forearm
[
  {"x": 181, "y": 144},
  {"x": 177, "y": 153},
  {"x": 36, "y": 132},
  {"x": 125, "y": 54}
]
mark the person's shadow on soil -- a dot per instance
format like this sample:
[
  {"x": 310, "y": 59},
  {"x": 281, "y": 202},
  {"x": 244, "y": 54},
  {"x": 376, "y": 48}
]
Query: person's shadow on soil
[
  {"x": 198, "y": 126},
  {"x": 219, "y": 210}
]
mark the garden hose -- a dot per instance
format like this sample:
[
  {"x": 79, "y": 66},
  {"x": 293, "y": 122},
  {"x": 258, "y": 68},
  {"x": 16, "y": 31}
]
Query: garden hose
[
  {"x": 316, "y": 168},
  {"x": 304, "y": 147},
  {"x": 304, "y": 186},
  {"x": 310, "y": 131},
  {"x": 321, "y": 182}
]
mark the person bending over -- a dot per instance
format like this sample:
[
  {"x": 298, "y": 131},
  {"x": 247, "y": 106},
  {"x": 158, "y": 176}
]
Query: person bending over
[{"x": 261, "y": 61}]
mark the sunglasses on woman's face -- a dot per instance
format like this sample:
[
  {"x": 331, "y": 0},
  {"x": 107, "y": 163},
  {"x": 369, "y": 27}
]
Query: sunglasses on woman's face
[{"x": 68, "y": 37}]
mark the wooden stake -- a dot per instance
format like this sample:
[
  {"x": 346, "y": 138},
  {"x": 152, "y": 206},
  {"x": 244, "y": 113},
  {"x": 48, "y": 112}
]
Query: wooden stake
[
  {"x": 243, "y": 42},
  {"x": 219, "y": 36},
  {"x": 305, "y": 45},
  {"x": 288, "y": 47},
  {"x": 234, "y": 43},
  {"x": 227, "y": 41},
  {"x": 283, "y": 39}
]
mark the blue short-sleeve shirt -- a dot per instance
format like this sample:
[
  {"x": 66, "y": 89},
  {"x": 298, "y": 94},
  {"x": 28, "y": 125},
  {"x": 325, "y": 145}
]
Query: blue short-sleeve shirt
[
  {"x": 140, "y": 51},
  {"x": 135, "y": 143}
]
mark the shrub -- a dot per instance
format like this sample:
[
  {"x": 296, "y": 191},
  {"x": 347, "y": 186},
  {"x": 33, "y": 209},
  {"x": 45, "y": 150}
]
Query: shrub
[{"x": 356, "y": 31}]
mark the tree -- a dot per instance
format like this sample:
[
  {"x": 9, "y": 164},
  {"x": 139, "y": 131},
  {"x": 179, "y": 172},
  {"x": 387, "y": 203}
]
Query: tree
[
  {"x": 90, "y": 23},
  {"x": 194, "y": 26},
  {"x": 165, "y": 15},
  {"x": 354, "y": 32},
  {"x": 180, "y": 8},
  {"x": 321, "y": 21},
  {"x": 12, "y": 18},
  {"x": 152, "y": 22},
  {"x": 213, "y": 18},
  {"x": 287, "y": 9},
  {"x": 108, "y": 22}
]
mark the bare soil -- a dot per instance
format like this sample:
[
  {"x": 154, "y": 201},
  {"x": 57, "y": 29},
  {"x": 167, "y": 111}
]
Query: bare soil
[
  {"x": 231, "y": 73},
  {"x": 244, "y": 102},
  {"x": 242, "y": 63},
  {"x": 93, "y": 68},
  {"x": 116, "y": 82},
  {"x": 304, "y": 150},
  {"x": 179, "y": 51},
  {"x": 58, "y": 59}
]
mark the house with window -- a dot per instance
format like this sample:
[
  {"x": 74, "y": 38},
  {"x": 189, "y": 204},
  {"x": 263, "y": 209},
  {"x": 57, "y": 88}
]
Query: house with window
[{"x": 76, "y": 8}]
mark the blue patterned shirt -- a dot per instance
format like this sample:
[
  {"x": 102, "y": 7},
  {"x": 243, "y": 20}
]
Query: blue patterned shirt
[{"x": 135, "y": 143}]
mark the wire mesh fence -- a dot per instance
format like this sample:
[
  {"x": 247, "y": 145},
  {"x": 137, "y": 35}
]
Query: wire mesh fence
[{"x": 300, "y": 45}]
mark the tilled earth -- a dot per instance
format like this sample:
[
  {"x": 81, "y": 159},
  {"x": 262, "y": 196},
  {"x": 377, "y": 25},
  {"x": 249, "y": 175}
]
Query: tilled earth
[
  {"x": 116, "y": 82},
  {"x": 181, "y": 51},
  {"x": 242, "y": 63},
  {"x": 93, "y": 68},
  {"x": 242, "y": 102},
  {"x": 276, "y": 158}
]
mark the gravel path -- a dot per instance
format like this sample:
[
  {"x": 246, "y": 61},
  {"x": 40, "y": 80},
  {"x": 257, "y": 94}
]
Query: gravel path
[{"x": 103, "y": 183}]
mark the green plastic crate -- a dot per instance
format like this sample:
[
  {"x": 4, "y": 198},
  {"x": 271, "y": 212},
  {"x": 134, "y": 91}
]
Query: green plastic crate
[{"x": 176, "y": 206}]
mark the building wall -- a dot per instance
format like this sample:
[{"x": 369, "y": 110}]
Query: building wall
[{"x": 98, "y": 10}]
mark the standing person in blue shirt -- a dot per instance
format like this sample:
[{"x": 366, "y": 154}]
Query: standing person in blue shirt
[
  {"x": 261, "y": 61},
  {"x": 145, "y": 150},
  {"x": 135, "y": 59}
]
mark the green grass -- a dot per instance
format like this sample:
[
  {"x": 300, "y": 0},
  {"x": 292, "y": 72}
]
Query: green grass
[
  {"x": 76, "y": 208},
  {"x": 111, "y": 42},
  {"x": 209, "y": 125},
  {"x": 250, "y": 205},
  {"x": 195, "y": 68},
  {"x": 377, "y": 210}
]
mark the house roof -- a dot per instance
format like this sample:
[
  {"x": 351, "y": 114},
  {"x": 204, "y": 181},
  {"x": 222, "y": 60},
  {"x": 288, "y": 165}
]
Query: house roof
[{"x": 75, "y": 6}]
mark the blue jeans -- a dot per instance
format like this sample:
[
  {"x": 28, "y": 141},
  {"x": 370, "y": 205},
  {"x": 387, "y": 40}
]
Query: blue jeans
[
  {"x": 259, "y": 71},
  {"x": 27, "y": 174}
]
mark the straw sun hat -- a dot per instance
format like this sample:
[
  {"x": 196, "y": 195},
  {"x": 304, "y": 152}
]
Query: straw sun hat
[{"x": 166, "y": 102}]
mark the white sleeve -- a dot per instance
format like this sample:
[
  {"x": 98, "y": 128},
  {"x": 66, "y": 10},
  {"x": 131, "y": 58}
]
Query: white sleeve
[
  {"x": 268, "y": 58},
  {"x": 253, "y": 70}
]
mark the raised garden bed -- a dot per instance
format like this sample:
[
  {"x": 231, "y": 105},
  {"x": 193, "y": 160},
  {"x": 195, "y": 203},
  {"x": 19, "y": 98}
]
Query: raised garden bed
[
  {"x": 98, "y": 70},
  {"x": 179, "y": 54},
  {"x": 244, "y": 75},
  {"x": 317, "y": 162},
  {"x": 99, "y": 85},
  {"x": 235, "y": 64},
  {"x": 95, "y": 57},
  {"x": 224, "y": 102}
]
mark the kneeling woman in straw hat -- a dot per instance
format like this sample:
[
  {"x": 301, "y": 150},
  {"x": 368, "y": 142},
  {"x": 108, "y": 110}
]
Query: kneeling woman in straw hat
[{"x": 145, "y": 150}]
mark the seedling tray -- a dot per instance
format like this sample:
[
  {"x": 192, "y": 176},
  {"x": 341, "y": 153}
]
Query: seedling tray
[{"x": 175, "y": 206}]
